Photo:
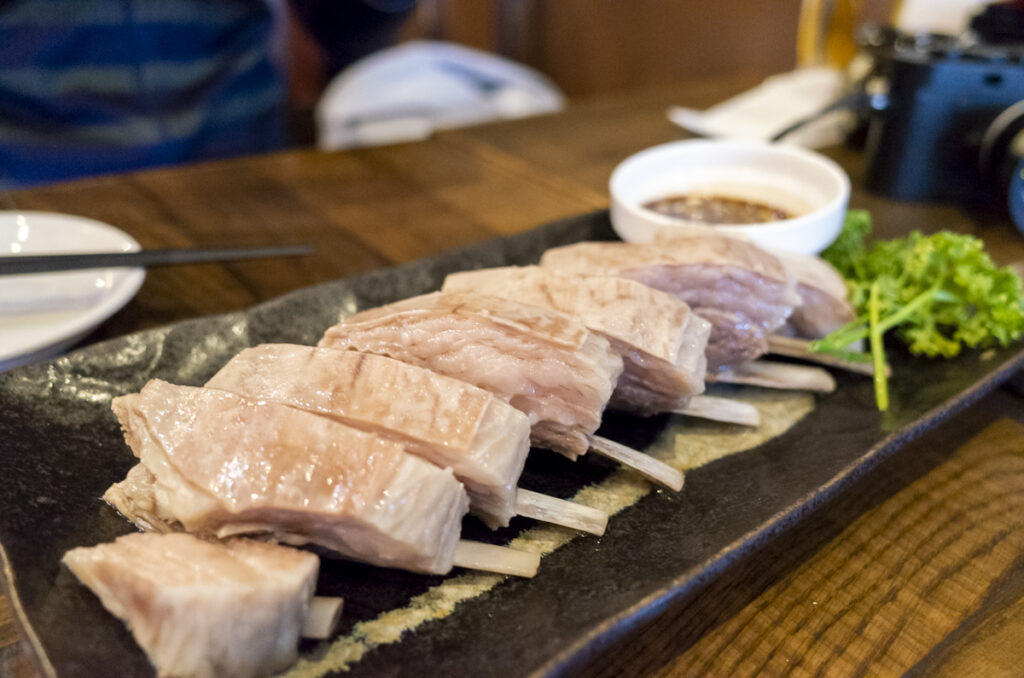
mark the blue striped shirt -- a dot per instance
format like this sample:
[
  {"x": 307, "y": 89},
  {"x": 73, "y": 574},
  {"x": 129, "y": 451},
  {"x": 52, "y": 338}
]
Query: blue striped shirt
[{"x": 94, "y": 86}]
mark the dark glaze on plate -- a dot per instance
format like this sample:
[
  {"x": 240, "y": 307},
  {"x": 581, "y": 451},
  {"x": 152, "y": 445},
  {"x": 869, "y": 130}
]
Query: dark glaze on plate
[{"x": 62, "y": 448}]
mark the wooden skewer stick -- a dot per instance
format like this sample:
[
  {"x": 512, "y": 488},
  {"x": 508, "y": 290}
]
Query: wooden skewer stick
[
  {"x": 777, "y": 375},
  {"x": 323, "y": 617},
  {"x": 801, "y": 348},
  {"x": 644, "y": 464},
  {"x": 474, "y": 555},
  {"x": 721, "y": 409},
  {"x": 560, "y": 512}
]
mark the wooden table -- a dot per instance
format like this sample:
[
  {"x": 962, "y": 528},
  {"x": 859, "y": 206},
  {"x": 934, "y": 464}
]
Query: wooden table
[{"x": 917, "y": 569}]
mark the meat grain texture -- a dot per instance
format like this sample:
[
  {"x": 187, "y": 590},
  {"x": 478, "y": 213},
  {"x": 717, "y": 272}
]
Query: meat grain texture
[
  {"x": 222, "y": 465},
  {"x": 202, "y": 609},
  {"x": 824, "y": 307},
  {"x": 544, "y": 363},
  {"x": 661, "y": 341},
  {"x": 744, "y": 291},
  {"x": 447, "y": 422}
]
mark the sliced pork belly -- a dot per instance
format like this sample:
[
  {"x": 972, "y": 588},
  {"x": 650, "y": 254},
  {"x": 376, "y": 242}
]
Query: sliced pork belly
[
  {"x": 661, "y": 341},
  {"x": 223, "y": 464},
  {"x": 135, "y": 498},
  {"x": 734, "y": 339},
  {"x": 824, "y": 307},
  {"x": 443, "y": 420},
  {"x": 544, "y": 363},
  {"x": 201, "y": 609},
  {"x": 743, "y": 290}
]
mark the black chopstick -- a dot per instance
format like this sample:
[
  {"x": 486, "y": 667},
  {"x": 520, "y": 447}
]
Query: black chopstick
[{"x": 48, "y": 263}]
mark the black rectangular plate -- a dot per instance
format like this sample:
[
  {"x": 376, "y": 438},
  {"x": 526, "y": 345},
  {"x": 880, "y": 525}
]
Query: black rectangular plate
[{"x": 60, "y": 448}]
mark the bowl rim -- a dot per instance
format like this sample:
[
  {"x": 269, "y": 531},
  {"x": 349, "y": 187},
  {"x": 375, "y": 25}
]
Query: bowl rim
[{"x": 812, "y": 158}]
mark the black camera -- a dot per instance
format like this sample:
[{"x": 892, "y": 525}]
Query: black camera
[{"x": 948, "y": 127}]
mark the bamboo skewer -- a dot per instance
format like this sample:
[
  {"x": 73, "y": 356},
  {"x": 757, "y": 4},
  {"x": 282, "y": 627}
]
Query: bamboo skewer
[
  {"x": 323, "y": 617},
  {"x": 777, "y": 375},
  {"x": 476, "y": 555},
  {"x": 644, "y": 464},
  {"x": 560, "y": 512},
  {"x": 801, "y": 348},
  {"x": 721, "y": 409}
]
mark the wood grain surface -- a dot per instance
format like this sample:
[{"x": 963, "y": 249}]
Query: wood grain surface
[
  {"x": 918, "y": 571},
  {"x": 903, "y": 586}
]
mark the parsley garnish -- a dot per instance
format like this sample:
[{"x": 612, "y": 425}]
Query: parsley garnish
[{"x": 938, "y": 293}]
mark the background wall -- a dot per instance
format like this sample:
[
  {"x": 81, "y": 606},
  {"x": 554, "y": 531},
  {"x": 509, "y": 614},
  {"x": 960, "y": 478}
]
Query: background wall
[{"x": 593, "y": 46}]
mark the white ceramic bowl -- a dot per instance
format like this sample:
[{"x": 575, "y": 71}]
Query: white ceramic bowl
[{"x": 799, "y": 181}]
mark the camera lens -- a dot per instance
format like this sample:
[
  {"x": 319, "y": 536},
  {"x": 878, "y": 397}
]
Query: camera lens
[
  {"x": 1001, "y": 157},
  {"x": 1015, "y": 196}
]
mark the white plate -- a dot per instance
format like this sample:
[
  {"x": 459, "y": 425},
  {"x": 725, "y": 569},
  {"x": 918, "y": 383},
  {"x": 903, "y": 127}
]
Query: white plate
[{"x": 43, "y": 314}]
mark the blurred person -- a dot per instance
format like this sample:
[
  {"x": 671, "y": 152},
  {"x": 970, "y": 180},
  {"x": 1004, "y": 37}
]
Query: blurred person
[{"x": 95, "y": 86}]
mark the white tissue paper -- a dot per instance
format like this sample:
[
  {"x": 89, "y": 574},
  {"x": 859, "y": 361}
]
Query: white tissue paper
[
  {"x": 769, "y": 108},
  {"x": 406, "y": 92}
]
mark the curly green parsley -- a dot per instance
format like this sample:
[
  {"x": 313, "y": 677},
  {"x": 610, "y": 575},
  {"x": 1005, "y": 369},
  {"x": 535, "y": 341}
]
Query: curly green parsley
[{"x": 938, "y": 293}]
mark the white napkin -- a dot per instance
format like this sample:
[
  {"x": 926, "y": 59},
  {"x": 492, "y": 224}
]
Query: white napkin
[
  {"x": 406, "y": 92},
  {"x": 767, "y": 109}
]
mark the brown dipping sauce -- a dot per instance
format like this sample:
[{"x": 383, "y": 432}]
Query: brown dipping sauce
[{"x": 715, "y": 209}]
